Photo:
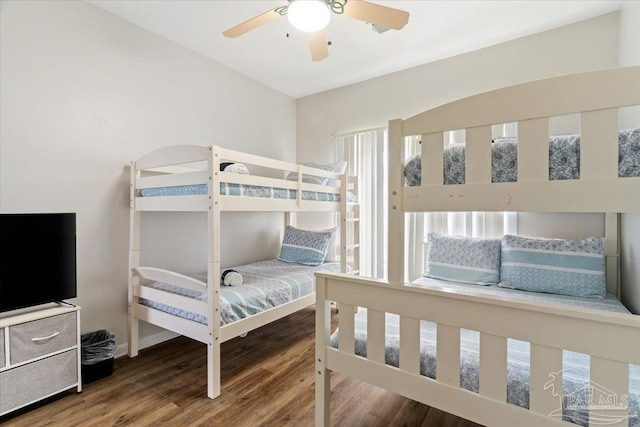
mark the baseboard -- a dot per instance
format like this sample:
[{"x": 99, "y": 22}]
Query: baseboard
[{"x": 145, "y": 342}]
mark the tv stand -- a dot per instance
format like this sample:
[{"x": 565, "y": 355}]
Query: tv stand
[{"x": 39, "y": 354}]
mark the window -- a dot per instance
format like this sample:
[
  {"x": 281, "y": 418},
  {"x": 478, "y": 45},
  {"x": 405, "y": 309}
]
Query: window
[{"x": 366, "y": 153}]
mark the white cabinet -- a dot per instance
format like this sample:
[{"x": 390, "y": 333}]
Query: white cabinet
[{"x": 39, "y": 355}]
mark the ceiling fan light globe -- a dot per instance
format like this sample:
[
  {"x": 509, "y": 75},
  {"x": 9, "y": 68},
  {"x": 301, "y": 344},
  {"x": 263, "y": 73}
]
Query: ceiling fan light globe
[{"x": 309, "y": 15}]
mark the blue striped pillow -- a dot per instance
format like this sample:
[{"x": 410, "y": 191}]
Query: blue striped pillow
[
  {"x": 556, "y": 266},
  {"x": 463, "y": 259},
  {"x": 304, "y": 247}
]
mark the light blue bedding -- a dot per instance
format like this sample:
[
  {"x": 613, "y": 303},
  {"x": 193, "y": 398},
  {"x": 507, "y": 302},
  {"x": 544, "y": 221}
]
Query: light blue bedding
[
  {"x": 575, "y": 365},
  {"x": 266, "y": 284},
  {"x": 230, "y": 189}
]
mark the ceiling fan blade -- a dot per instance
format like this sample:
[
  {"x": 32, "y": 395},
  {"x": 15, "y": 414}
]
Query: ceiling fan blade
[
  {"x": 371, "y": 13},
  {"x": 252, "y": 23},
  {"x": 318, "y": 45}
]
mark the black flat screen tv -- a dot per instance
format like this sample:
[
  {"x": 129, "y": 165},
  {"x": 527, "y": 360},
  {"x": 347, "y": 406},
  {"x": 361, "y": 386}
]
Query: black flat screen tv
[{"x": 37, "y": 259}]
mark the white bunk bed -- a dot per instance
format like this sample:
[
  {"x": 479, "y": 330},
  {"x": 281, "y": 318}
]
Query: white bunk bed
[
  {"x": 188, "y": 178},
  {"x": 611, "y": 340}
]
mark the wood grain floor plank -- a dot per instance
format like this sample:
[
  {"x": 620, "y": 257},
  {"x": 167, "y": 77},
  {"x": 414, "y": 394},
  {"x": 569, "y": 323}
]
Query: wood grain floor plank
[{"x": 267, "y": 380}]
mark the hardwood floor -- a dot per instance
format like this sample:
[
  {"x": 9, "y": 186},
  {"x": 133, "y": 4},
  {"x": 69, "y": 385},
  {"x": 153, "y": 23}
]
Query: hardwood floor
[{"x": 267, "y": 380}]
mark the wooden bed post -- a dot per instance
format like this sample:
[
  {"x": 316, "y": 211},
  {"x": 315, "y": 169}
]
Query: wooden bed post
[
  {"x": 134, "y": 262},
  {"x": 213, "y": 276},
  {"x": 395, "y": 251},
  {"x": 612, "y": 252},
  {"x": 322, "y": 374}
]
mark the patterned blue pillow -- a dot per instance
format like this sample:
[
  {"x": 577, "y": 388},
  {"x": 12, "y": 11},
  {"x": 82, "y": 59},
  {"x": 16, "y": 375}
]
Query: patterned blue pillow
[
  {"x": 556, "y": 266},
  {"x": 413, "y": 170},
  {"x": 629, "y": 153},
  {"x": 304, "y": 247},
  {"x": 463, "y": 259}
]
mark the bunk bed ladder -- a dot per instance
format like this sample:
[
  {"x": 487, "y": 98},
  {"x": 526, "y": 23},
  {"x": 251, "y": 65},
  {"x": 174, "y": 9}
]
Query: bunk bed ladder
[{"x": 350, "y": 221}]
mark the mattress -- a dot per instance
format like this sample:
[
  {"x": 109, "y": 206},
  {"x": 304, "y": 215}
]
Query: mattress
[
  {"x": 230, "y": 189},
  {"x": 575, "y": 365},
  {"x": 564, "y": 159},
  {"x": 266, "y": 284}
]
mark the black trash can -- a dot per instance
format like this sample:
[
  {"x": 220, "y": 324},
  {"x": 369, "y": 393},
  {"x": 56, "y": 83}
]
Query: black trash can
[{"x": 98, "y": 353}]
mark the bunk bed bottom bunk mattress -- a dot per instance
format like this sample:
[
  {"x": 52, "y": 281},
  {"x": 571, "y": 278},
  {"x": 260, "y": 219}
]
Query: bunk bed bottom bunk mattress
[
  {"x": 575, "y": 365},
  {"x": 266, "y": 284},
  {"x": 229, "y": 189}
]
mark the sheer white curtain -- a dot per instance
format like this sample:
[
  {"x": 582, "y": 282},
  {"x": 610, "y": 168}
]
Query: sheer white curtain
[
  {"x": 470, "y": 224},
  {"x": 366, "y": 153}
]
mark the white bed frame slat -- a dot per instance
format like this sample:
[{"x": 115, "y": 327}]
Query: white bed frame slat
[
  {"x": 168, "y": 298},
  {"x": 432, "y": 152},
  {"x": 609, "y": 384},
  {"x": 493, "y": 367},
  {"x": 533, "y": 150},
  {"x": 599, "y": 144},
  {"x": 252, "y": 159},
  {"x": 375, "y": 336},
  {"x": 248, "y": 204},
  {"x": 197, "y": 203},
  {"x": 410, "y": 345},
  {"x": 171, "y": 278},
  {"x": 478, "y": 146},
  {"x": 213, "y": 278},
  {"x": 200, "y": 203},
  {"x": 322, "y": 374},
  {"x": 396, "y": 222},
  {"x": 346, "y": 325},
  {"x": 248, "y": 324},
  {"x": 549, "y": 196},
  {"x": 545, "y": 362},
  {"x": 273, "y": 182},
  {"x": 448, "y": 355},
  {"x": 169, "y": 180},
  {"x": 557, "y": 96},
  {"x": 612, "y": 233},
  {"x": 185, "y": 327}
]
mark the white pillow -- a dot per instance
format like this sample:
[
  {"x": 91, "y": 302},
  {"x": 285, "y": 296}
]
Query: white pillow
[
  {"x": 331, "y": 253},
  {"x": 338, "y": 167},
  {"x": 237, "y": 168}
]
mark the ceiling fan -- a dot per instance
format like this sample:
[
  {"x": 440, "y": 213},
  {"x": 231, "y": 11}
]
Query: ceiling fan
[{"x": 312, "y": 16}]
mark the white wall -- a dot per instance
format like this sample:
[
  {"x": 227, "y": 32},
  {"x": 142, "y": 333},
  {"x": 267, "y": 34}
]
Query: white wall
[
  {"x": 588, "y": 45},
  {"x": 630, "y": 55},
  {"x": 83, "y": 94}
]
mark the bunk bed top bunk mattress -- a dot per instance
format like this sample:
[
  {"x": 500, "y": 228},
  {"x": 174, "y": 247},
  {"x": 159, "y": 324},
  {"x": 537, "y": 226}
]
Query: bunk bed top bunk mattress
[
  {"x": 564, "y": 159},
  {"x": 231, "y": 189},
  {"x": 266, "y": 284},
  {"x": 575, "y": 365}
]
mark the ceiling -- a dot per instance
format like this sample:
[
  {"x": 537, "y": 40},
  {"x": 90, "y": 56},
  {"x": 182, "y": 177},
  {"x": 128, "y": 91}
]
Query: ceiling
[{"x": 436, "y": 30}]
